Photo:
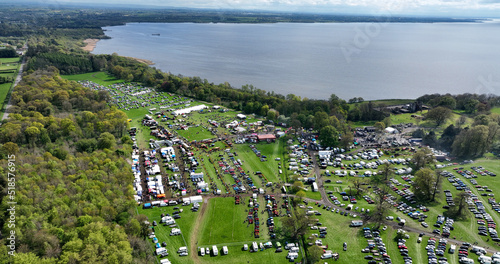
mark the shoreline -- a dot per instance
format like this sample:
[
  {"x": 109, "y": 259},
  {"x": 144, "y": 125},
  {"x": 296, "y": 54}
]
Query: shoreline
[
  {"x": 148, "y": 62},
  {"x": 90, "y": 44}
]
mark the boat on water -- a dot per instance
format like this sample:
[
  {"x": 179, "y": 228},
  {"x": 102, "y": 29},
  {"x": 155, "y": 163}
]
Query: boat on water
[{"x": 155, "y": 34}]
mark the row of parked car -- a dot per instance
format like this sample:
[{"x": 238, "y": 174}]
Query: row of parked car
[
  {"x": 403, "y": 249},
  {"x": 434, "y": 251},
  {"x": 376, "y": 247}
]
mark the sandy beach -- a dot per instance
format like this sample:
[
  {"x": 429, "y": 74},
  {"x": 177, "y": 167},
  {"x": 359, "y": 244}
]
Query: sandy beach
[{"x": 91, "y": 43}]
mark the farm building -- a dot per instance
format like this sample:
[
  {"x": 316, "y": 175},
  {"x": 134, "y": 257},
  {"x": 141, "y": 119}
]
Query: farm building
[{"x": 266, "y": 137}]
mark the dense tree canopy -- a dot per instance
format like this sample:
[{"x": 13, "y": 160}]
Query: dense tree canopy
[{"x": 74, "y": 201}]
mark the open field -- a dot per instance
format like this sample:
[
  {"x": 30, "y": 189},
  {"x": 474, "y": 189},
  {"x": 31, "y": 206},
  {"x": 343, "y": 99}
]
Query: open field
[
  {"x": 10, "y": 60},
  {"x": 4, "y": 91},
  {"x": 101, "y": 78}
]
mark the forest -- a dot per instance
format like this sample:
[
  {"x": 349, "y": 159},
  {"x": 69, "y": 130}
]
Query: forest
[{"x": 73, "y": 199}]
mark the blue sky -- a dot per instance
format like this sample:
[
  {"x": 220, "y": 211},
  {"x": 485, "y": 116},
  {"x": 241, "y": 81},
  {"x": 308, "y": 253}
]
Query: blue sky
[{"x": 449, "y": 8}]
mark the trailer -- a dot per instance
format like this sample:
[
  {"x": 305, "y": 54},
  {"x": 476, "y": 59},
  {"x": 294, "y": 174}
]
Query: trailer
[
  {"x": 175, "y": 232},
  {"x": 314, "y": 187},
  {"x": 356, "y": 223}
]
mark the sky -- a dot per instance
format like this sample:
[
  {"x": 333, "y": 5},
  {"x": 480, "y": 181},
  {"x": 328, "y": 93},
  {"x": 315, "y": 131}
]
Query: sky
[{"x": 447, "y": 8}]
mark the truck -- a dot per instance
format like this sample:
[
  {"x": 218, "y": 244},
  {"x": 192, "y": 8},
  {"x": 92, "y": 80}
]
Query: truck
[
  {"x": 255, "y": 248},
  {"x": 224, "y": 250},
  {"x": 215, "y": 251}
]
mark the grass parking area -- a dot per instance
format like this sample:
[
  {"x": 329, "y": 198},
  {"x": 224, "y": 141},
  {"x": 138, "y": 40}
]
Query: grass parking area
[
  {"x": 185, "y": 223},
  {"x": 252, "y": 163},
  {"x": 223, "y": 225},
  {"x": 195, "y": 133},
  {"x": 225, "y": 222}
]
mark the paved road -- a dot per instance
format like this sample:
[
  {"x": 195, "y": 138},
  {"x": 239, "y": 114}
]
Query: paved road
[{"x": 18, "y": 79}]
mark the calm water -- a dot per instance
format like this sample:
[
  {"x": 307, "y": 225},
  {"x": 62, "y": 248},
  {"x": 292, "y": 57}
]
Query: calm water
[{"x": 374, "y": 61}]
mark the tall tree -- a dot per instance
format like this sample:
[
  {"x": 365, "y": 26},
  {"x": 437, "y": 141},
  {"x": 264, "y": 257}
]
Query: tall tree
[
  {"x": 422, "y": 158},
  {"x": 297, "y": 225},
  {"x": 424, "y": 184},
  {"x": 439, "y": 115},
  {"x": 471, "y": 143},
  {"x": 314, "y": 253},
  {"x": 328, "y": 136},
  {"x": 459, "y": 210}
]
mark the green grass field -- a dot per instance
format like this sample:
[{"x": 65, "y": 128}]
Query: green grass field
[
  {"x": 223, "y": 226},
  {"x": 386, "y": 102},
  {"x": 186, "y": 224},
  {"x": 101, "y": 78},
  {"x": 196, "y": 133},
  {"x": 10, "y": 60}
]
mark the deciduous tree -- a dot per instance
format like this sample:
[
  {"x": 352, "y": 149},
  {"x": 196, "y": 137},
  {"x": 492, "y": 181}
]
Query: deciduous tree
[{"x": 439, "y": 115}]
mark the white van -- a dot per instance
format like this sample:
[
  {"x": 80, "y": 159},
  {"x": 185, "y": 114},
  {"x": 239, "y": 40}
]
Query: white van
[
  {"x": 466, "y": 261},
  {"x": 202, "y": 251},
  {"x": 293, "y": 255},
  {"x": 452, "y": 249},
  {"x": 224, "y": 250},
  {"x": 484, "y": 259}
]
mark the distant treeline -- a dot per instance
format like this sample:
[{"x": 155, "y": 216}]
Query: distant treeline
[
  {"x": 23, "y": 21},
  {"x": 8, "y": 53},
  {"x": 469, "y": 103}
]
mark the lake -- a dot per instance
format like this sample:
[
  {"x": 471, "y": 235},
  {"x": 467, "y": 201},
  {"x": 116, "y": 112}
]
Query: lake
[{"x": 369, "y": 60}]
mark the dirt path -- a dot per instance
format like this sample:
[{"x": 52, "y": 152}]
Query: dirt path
[
  {"x": 419, "y": 252},
  {"x": 19, "y": 77},
  {"x": 196, "y": 230}
]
